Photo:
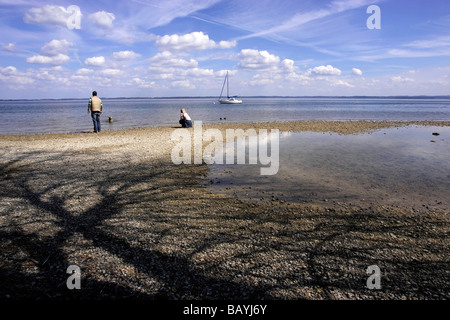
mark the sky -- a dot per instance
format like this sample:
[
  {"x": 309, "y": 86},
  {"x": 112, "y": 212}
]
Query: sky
[{"x": 154, "y": 48}]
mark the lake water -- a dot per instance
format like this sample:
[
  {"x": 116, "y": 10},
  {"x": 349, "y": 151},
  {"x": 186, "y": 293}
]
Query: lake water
[
  {"x": 406, "y": 167},
  {"x": 62, "y": 116}
]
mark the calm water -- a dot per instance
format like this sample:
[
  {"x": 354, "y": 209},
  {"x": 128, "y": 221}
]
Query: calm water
[
  {"x": 58, "y": 116},
  {"x": 408, "y": 167}
]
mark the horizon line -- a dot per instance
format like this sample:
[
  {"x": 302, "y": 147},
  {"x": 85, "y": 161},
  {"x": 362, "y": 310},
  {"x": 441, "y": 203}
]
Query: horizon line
[{"x": 253, "y": 96}]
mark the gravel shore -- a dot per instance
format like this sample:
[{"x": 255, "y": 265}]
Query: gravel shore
[{"x": 140, "y": 227}]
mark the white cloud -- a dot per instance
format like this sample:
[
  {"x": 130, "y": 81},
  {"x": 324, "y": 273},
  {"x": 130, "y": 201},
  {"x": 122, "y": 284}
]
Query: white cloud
[
  {"x": 182, "y": 73},
  {"x": 342, "y": 83},
  {"x": 260, "y": 81},
  {"x": 299, "y": 78},
  {"x": 125, "y": 55},
  {"x": 9, "y": 47},
  {"x": 53, "y": 52},
  {"x": 82, "y": 75},
  {"x": 103, "y": 19},
  {"x": 12, "y": 77},
  {"x": 269, "y": 66},
  {"x": 328, "y": 70},
  {"x": 227, "y": 44},
  {"x": 143, "y": 84},
  {"x": 191, "y": 41},
  {"x": 287, "y": 65},
  {"x": 222, "y": 73},
  {"x": 357, "y": 72},
  {"x": 198, "y": 72},
  {"x": 257, "y": 60},
  {"x": 95, "y": 61},
  {"x": 56, "y": 47},
  {"x": 54, "y": 60},
  {"x": 51, "y": 75},
  {"x": 84, "y": 71},
  {"x": 111, "y": 72},
  {"x": 167, "y": 58},
  {"x": 10, "y": 70},
  {"x": 55, "y": 15},
  {"x": 400, "y": 79},
  {"x": 182, "y": 84}
]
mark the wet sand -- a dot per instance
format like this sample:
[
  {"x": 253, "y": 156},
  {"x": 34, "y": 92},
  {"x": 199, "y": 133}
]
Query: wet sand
[{"x": 140, "y": 227}]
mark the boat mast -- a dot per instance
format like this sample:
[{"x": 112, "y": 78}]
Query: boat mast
[
  {"x": 228, "y": 89},
  {"x": 223, "y": 86}
]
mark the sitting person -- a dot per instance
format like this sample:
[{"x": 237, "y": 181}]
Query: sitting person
[{"x": 185, "y": 120}]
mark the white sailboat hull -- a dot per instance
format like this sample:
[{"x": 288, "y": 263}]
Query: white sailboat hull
[{"x": 230, "y": 101}]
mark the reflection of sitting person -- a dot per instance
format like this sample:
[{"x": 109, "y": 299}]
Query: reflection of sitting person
[{"x": 185, "y": 120}]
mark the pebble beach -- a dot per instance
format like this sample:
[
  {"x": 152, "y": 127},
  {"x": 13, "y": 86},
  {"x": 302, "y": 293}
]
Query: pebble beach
[{"x": 141, "y": 227}]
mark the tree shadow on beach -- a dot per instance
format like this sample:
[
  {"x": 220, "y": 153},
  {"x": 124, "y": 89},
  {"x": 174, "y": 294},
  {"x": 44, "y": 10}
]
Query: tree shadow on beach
[
  {"x": 45, "y": 198},
  {"x": 150, "y": 230}
]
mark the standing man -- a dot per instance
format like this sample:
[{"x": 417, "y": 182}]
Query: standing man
[{"x": 96, "y": 107}]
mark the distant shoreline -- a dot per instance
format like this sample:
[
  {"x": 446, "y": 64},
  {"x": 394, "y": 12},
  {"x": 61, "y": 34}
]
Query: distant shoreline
[{"x": 244, "y": 97}]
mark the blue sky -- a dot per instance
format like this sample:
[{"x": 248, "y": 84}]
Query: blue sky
[{"x": 144, "y": 48}]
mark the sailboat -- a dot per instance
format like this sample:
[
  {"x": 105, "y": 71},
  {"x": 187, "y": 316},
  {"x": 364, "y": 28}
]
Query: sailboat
[{"x": 228, "y": 100}]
